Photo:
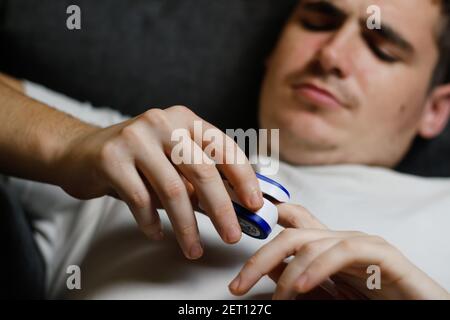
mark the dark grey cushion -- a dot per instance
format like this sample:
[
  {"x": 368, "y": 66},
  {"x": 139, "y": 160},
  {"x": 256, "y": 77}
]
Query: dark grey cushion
[{"x": 137, "y": 54}]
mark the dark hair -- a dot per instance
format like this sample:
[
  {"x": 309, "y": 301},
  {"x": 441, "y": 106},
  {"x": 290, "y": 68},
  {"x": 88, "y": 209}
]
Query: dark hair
[{"x": 442, "y": 70}]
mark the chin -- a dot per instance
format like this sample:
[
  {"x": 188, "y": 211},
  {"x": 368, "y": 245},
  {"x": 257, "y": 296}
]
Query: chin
[
  {"x": 308, "y": 129},
  {"x": 301, "y": 151},
  {"x": 308, "y": 143}
]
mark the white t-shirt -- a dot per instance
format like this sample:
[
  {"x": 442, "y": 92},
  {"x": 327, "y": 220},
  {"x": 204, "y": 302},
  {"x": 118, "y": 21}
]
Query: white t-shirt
[{"x": 118, "y": 262}]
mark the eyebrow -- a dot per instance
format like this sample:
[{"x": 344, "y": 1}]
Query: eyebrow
[{"x": 386, "y": 32}]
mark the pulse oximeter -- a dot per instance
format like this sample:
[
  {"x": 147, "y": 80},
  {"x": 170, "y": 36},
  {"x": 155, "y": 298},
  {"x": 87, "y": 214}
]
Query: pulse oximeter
[{"x": 260, "y": 224}]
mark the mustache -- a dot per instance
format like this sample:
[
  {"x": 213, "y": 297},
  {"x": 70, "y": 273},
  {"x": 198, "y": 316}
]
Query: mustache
[{"x": 338, "y": 87}]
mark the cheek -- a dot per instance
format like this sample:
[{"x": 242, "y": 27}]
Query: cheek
[
  {"x": 295, "y": 50},
  {"x": 395, "y": 104},
  {"x": 365, "y": 74},
  {"x": 383, "y": 101}
]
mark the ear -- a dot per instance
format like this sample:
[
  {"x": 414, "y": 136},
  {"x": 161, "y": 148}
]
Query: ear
[{"x": 436, "y": 113}]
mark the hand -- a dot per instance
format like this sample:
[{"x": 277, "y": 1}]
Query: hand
[
  {"x": 344, "y": 256},
  {"x": 131, "y": 161}
]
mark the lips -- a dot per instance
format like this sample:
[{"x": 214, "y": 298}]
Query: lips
[{"x": 317, "y": 95}]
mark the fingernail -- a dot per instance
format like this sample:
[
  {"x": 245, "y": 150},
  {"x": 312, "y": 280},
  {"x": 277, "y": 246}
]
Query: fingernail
[
  {"x": 234, "y": 285},
  {"x": 196, "y": 251},
  {"x": 256, "y": 199},
  {"x": 301, "y": 282},
  {"x": 234, "y": 234}
]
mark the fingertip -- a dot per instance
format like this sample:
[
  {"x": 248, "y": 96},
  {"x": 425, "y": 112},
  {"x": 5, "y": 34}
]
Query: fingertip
[
  {"x": 234, "y": 285},
  {"x": 255, "y": 200},
  {"x": 239, "y": 286},
  {"x": 238, "y": 292},
  {"x": 196, "y": 252},
  {"x": 233, "y": 235},
  {"x": 301, "y": 283},
  {"x": 234, "y": 292}
]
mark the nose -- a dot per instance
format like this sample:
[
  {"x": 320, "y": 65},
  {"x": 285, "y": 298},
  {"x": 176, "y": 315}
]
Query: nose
[{"x": 337, "y": 52}]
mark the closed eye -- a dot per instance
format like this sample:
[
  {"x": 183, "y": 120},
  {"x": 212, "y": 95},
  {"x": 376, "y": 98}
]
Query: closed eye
[
  {"x": 319, "y": 22},
  {"x": 320, "y": 16},
  {"x": 377, "y": 49}
]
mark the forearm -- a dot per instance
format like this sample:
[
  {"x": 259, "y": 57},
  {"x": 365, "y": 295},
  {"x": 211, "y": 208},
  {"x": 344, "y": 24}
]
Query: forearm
[
  {"x": 33, "y": 135},
  {"x": 11, "y": 82}
]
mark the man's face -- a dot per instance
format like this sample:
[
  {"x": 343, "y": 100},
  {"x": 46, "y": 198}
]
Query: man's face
[{"x": 342, "y": 93}]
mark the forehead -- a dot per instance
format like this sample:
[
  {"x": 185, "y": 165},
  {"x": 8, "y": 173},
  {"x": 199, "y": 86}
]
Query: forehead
[
  {"x": 417, "y": 20},
  {"x": 416, "y": 8}
]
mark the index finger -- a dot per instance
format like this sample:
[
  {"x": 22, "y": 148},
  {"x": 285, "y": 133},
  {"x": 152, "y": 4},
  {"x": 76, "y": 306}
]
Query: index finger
[
  {"x": 233, "y": 163},
  {"x": 271, "y": 255},
  {"x": 295, "y": 216}
]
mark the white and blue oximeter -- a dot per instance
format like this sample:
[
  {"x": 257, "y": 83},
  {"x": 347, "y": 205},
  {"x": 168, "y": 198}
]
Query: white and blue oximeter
[{"x": 260, "y": 224}]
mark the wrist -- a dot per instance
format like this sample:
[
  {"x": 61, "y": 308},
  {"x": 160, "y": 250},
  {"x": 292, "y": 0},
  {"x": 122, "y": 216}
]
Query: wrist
[{"x": 64, "y": 148}]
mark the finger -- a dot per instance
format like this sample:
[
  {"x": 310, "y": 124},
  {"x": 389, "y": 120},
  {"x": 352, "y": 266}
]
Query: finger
[
  {"x": 319, "y": 293},
  {"x": 113, "y": 193},
  {"x": 286, "y": 285},
  {"x": 233, "y": 163},
  {"x": 172, "y": 193},
  {"x": 287, "y": 243},
  {"x": 130, "y": 188},
  {"x": 276, "y": 272},
  {"x": 213, "y": 196},
  {"x": 347, "y": 287},
  {"x": 295, "y": 216},
  {"x": 189, "y": 188},
  {"x": 206, "y": 178},
  {"x": 191, "y": 192},
  {"x": 346, "y": 253}
]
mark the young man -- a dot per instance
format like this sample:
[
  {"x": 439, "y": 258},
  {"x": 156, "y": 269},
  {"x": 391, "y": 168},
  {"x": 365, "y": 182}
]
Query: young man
[
  {"x": 340, "y": 93},
  {"x": 346, "y": 94}
]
